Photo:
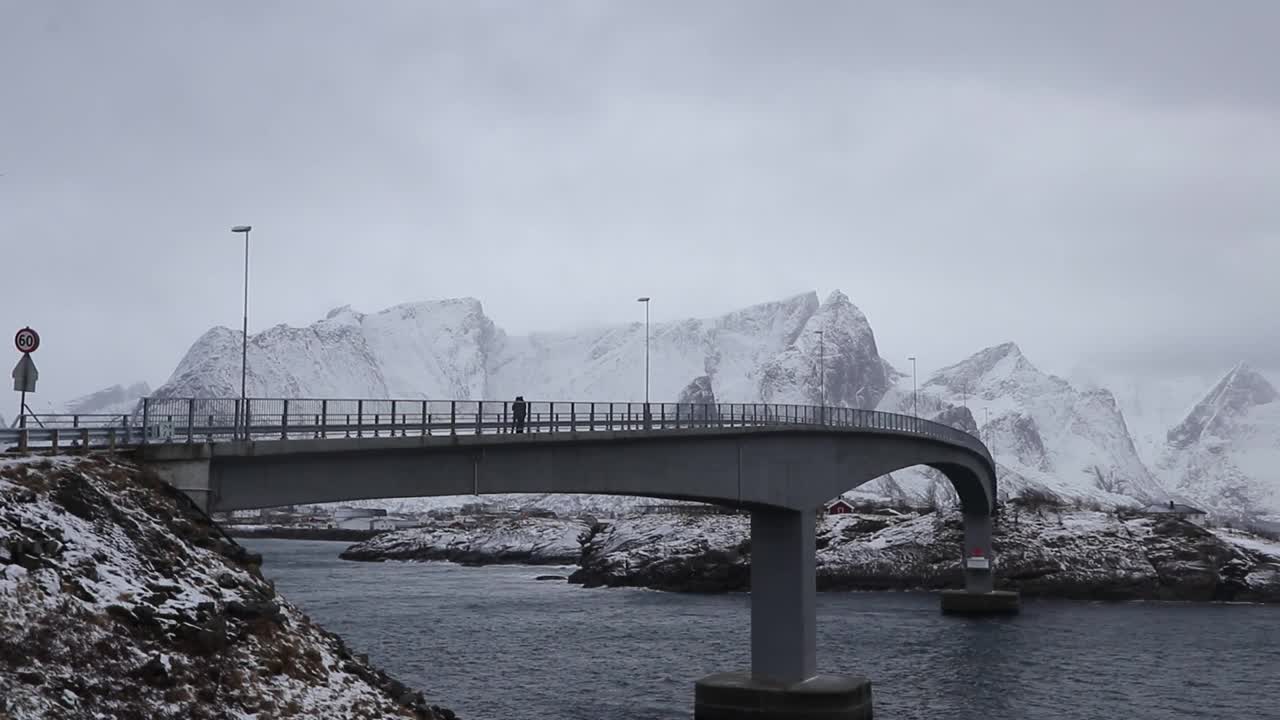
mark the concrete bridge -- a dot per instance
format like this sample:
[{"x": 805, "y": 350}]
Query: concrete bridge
[{"x": 782, "y": 462}]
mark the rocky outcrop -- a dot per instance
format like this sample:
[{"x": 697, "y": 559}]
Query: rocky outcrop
[
  {"x": 680, "y": 553},
  {"x": 1068, "y": 554},
  {"x": 119, "y": 600},
  {"x": 495, "y": 541}
]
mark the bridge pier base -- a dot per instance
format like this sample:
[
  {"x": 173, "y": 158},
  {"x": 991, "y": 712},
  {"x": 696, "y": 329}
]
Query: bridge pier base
[
  {"x": 979, "y": 596},
  {"x": 741, "y": 696},
  {"x": 783, "y": 683}
]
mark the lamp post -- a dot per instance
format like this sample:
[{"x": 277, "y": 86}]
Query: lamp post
[
  {"x": 915, "y": 397},
  {"x": 822, "y": 371},
  {"x": 244, "y": 337},
  {"x": 645, "y": 300}
]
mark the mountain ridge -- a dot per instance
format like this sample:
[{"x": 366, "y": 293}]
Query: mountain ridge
[{"x": 1044, "y": 431}]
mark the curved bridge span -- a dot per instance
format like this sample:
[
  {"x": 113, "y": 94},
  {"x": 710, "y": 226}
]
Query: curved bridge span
[
  {"x": 784, "y": 456},
  {"x": 779, "y": 461}
]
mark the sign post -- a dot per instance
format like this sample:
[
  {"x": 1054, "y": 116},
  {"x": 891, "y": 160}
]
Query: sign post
[{"x": 25, "y": 374}]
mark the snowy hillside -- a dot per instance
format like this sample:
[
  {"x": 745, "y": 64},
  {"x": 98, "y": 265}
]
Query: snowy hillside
[
  {"x": 1042, "y": 431},
  {"x": 1225, "y": 453},
  {"x": 118, "y": 601}
]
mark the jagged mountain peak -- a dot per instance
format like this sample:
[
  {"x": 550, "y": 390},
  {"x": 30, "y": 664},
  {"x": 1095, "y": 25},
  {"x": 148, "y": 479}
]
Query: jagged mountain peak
[
  {"x": 993, "y": 365},
  {"x": 1240, "y": 390},
  {"x": 1225, "y": 451},
  {"x": 1245, "y": 385},
  {"x": 838, "y": 313},
  {"x": 343, "y": 314},
  {"x": 832, "y": 359},
  {"x": 837, "y": 298}
]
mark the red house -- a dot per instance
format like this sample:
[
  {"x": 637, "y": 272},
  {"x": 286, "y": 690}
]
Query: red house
[{"x": 839, "y": 506}]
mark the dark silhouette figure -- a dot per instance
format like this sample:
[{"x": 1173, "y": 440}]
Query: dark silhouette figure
[{"x": 518, "y": 411}]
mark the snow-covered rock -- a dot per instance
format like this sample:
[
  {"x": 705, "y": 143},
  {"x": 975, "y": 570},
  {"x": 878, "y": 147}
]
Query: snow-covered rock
[
  {"x": 118, "y": 601},
  {"x": 680, "y": 553},
  {"x": 529, "y": 540},
  {"x": 1225, "y": 453},
  {"x": 1076, "y": 554}
]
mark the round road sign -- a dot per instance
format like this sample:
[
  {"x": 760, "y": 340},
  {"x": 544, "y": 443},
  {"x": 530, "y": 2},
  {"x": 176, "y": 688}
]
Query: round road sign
[{"x": 27, "y": 340}]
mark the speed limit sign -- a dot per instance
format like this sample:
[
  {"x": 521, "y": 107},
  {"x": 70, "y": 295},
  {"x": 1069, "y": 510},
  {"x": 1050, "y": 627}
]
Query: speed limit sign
[{"x": 27, "y": 340}]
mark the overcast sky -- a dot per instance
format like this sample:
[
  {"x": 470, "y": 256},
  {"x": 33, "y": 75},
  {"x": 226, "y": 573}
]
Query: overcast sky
[{"x": 1096, "y": 181}]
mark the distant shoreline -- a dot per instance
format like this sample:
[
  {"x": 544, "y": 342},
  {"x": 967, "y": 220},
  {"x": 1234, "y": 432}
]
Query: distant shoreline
[{"x": 284, "y": 533}]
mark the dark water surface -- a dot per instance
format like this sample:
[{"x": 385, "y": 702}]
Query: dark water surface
[{"x": 493, "y": 644}]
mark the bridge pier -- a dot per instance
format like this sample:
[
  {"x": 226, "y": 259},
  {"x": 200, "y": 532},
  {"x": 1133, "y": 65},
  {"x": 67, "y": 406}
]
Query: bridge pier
[
  {"x": 783, "y": 682},
  {"x": 979, "y": 596}
]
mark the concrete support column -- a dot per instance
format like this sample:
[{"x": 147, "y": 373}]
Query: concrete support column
[
  {"x": 783, "y": 683},
  {"x": 979, "y": 565},
  {"x": 784, "y": 633},
  {"x": 979, "y": 596}
]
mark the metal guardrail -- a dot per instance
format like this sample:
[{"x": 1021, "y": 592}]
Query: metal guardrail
[{"x": 204, "y": 420}]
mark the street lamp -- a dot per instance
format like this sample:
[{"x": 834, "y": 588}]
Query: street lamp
[
  {"x": 645, "y": 300},
  {"x": 822, "y": 368},
  {"x": 244, "y": 339},
  {"x": 915, "y": 397}
]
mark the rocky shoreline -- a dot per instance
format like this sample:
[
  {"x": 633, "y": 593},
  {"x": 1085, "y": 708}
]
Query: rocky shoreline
[
  {"x": 300, "y": 533},
  {"x": 481, "y": 541},
  {"x": 117, "y": 599},
  {"x": 1076, "y": 554}
]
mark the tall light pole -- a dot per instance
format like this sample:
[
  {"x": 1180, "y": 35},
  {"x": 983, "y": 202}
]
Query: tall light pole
[
  {"x": 645, "y": 300},
  {"x": 822, "y": 368},
  {"x": 244, "y": 337},
  {"x": 915, "y": 397}
]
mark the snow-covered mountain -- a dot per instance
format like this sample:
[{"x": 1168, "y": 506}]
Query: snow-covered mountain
[
  {"x": 1226, "y": 452},
  {"x": 416, "y": 350},
  {"x": 1043, "y": 431},
  {"x": 1151, "y": 403},
  {"x": 451, "y": 350},
  {"x": 115, "y": 400}
]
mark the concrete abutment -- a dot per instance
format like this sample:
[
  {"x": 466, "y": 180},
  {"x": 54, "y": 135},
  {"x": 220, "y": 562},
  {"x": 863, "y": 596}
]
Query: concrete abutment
[{"x": 190, "y": 476}]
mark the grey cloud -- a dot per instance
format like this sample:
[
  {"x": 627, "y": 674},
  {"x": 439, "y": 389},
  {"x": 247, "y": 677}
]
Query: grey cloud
[{"x": 1088, "y": 179}]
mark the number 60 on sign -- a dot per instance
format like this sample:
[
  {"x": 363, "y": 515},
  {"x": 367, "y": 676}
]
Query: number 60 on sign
[{"x": 27, "y": 340}]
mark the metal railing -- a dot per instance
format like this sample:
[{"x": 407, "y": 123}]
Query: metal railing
[{"x": 205, "y": 420}]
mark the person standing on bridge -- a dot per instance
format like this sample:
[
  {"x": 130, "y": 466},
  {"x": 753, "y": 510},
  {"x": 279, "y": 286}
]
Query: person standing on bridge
[{"x": 518, "y": 410}]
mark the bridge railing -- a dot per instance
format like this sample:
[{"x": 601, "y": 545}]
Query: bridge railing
[{"x": 201, "y": 420}]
